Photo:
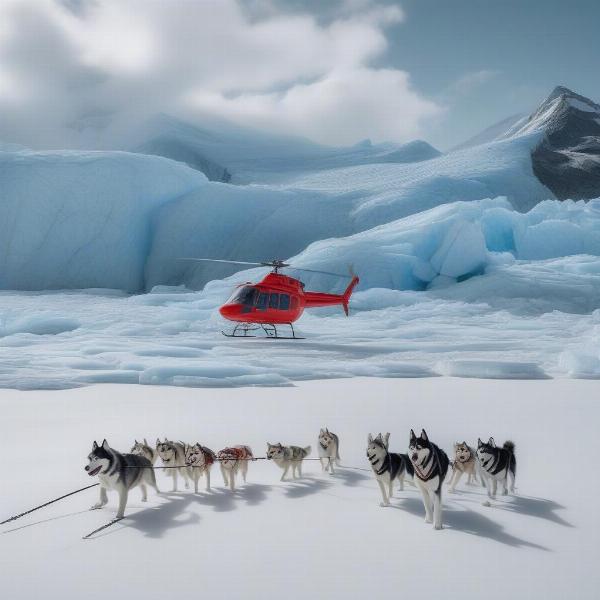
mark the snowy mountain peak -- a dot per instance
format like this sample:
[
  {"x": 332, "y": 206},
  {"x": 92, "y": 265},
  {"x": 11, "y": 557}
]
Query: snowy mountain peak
[
  {"x": 567, "y": 160},
  {"x": 555, "y": 111},
  {"x": 572, "y": 99}
]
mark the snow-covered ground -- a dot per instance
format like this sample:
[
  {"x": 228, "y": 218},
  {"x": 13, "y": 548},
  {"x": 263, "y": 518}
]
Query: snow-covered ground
[
  {"x": 66, "y": 339},
  {"x": 319, "y": 537}
]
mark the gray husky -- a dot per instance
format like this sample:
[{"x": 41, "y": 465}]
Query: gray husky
[
  {"x": 465, "y": 461},
  {"x": 497, "y": 465},
  {"x": 120, "y": 472},
  {"x": 431, "y": 466},
  {"x": 233, "y": 460},
  {"x": 144, "y": 449},
  {"x": 172, "y": 454},
  {"x": 200, "y": 460},
  {"x": 387, "y": 466},
  {"x": 286, "y": 457},
  {"x": 329, "y": 449}
]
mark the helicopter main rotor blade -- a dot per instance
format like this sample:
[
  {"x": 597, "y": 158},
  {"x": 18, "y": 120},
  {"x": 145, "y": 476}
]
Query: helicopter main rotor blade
[
  {"x": 277, "y": 264},
  {"x": 218, "y": 260},
  {"x": 320, "y": 272}
]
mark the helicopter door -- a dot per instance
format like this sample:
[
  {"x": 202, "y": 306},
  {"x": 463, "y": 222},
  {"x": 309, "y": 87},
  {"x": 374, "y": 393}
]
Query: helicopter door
[
  {"x": 284, "y": 302},
  {"x": 261, "y": 303},
  {"x": 274, "y": 301}
]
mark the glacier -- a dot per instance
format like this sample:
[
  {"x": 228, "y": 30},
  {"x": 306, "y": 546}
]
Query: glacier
[
  {"x": 453, "y": 242},
  {"x": 468, "y": 267},
  {"x": 82, "y": 219},
  {"x": 469, "y": 289},
  {"x": 122, "y": 220}
]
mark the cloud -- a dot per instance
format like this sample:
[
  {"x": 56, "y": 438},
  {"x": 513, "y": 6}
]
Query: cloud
[
  {"x": 469, "y": 82},
  {"x": 73, "y": 69}
]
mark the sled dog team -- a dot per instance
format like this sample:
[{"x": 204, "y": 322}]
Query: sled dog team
[{"x": 425, "y": 465}]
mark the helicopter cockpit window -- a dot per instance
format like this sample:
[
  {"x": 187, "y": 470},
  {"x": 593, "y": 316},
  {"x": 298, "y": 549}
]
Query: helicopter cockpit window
[
  {"x": 284, "y": 302},
  {"x": 244, "y": 295},
  {"x": 261, "y": 303},
  {"x": 274, "y": 301}
]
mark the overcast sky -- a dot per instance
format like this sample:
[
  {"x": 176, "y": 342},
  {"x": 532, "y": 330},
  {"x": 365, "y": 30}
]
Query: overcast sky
[{"x": 335, "y": 71}]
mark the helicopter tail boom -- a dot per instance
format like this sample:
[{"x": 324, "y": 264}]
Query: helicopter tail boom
[{"x": 314, "y": 299}]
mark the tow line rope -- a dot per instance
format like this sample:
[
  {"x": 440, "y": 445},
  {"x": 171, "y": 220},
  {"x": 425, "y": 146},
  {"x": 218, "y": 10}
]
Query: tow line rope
[
  {"x": 87, "y": 487},
  {"x": 217, "y": 460}
]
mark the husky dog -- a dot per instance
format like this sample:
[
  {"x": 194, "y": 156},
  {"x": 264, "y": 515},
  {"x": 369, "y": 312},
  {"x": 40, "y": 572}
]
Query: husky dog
[
  {"x": 172, "y": 454},
  {"x": 465, "y": 461},
  {"x": 329, "y": 449},
  {"x": 431, "y": 466},
  {"x": 286, "y": 457},
  {"x": 120, "y": 472},
  {"x": 200, "y": 459},
  {"x": 497, "y": 464},
  {"x": 144, "y": 449},
  {"x": 387, "y": 466},
  {"x": 233, "y": 460}
]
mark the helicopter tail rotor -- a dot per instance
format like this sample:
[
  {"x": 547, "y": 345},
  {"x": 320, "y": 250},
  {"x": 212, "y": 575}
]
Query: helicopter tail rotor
[{"x": 348, "y": 292}]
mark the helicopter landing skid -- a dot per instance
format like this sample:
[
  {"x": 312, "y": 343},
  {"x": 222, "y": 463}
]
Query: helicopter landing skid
[{"x": 247, "y": 330}]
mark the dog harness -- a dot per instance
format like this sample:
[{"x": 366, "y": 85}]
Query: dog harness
[
  {"x": 425, "y": 471},
  {"x": 208, "y": 454},
  {"x": 235, "y": 453}
]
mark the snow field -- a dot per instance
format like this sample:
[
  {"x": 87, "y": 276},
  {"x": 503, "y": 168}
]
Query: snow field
[{"x": 320, "y": 536}]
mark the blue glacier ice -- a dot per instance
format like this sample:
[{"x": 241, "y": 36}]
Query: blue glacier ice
[{"x": 121, "y": 220}]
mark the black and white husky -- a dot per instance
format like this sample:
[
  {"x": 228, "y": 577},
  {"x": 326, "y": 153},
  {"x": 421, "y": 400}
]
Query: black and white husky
[
  {"x": 144, "y": 449},
  {"x": 431, "y": 466},
  {"x": 172, "y": 454},
  {"x": 288, "y": 456},
  {"x": 387, "y": 466},
  {"x": 497, "y": 465},
  {"x": 119, "y": 472},
  {"x": 329, "y": 449},
  {"x": 200, "y": 460}
]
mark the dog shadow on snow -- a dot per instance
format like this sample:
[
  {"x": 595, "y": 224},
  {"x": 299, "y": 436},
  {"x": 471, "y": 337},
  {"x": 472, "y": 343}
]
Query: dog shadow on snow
[
  {"x": 540, "y": 508},
  {"x": 224, "y": 500},
  {"x": 305, "y": 486},
  {"x": 530, "y": 506},
  {"x": 155, "y": 521},
  {"x": 471, "y": 522},
  {"x": 349, "y": 477}
]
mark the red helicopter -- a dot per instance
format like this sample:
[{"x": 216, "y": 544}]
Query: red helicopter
[{"x": 276, "y": 300}]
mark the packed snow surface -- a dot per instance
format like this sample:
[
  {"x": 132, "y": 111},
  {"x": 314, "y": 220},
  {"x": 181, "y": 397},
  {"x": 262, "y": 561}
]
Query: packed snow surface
[{"x": 322, "y": 536}]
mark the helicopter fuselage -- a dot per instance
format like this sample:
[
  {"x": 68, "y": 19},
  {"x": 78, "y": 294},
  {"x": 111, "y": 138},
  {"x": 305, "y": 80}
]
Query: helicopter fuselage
[{"x": 278, "y": 299}]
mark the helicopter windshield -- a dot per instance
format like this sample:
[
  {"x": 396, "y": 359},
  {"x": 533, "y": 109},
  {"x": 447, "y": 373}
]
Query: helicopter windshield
[{"x": 244, "y": 295}]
